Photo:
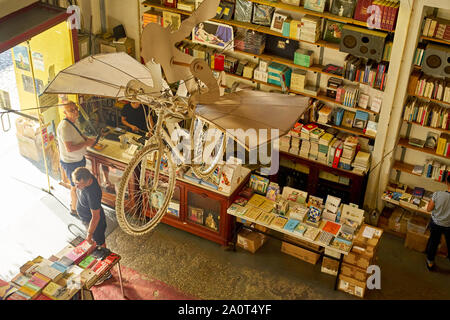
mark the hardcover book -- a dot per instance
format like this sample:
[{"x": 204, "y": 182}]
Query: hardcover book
[
  {"x": 333, "y": 31},
  {"x": 343, "y": 8},
  {"x": 315, "y": 5},
  {"x": 331, "y": 227},
  {"x": 291, "y": 224},
  {"x": 266, "y": 218},
  {"x": 279, "y": 222}
]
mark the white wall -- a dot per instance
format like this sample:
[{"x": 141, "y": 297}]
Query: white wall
[{"x": 8, "y": 6}]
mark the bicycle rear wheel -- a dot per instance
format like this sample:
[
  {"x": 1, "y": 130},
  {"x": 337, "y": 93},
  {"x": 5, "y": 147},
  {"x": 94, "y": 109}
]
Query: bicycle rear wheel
[{"x": 147, "y": 200}]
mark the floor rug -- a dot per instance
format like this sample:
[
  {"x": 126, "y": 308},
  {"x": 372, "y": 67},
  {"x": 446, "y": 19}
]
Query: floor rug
[{"x": 136, "y": 287}]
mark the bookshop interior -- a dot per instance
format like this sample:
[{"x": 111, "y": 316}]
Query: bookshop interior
[{"x": 235, "y": 149}]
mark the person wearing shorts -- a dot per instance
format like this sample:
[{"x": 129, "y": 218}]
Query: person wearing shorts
[{"x": 72, "y": 148}]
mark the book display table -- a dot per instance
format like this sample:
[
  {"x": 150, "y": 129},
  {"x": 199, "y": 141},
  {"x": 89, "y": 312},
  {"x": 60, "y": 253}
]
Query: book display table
[{"x": 67, "y": 275}]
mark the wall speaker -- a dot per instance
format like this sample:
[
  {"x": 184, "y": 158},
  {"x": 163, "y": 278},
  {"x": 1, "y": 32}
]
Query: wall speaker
[
  {"x": 362, "y": 42},
  {"x": 436, "y": 61}
]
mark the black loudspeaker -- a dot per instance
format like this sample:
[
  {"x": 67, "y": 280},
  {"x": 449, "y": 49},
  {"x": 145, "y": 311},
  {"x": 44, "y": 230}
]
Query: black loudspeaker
[
  {"x": 362, "y": 42},
  {"x": 281, "y": 47},
  {"x": 436, "y": 61},
  {"x": 119, "y": 32}
]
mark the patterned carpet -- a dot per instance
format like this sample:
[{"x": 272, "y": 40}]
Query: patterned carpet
[{"x": 136, "y": 287}]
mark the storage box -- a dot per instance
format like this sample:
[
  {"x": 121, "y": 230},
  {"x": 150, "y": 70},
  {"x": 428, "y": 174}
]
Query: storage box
[
  {"x": 332, "y": 253},
  {"x": 28, "y": 148},
  {"x": 354, "y": 272},
  {"x": 396, "y": 222},
  {"x": 417, "y": 224},
  {"x": 363, "y": 241},
  {"x": 417, "y": 241},
  {"x": 300, "y": 253},
  {"x": 358, "y": 259},
  {"x": 352, "y": 286},
  {"x": 250, "y": 240},
  {"x": 330, "y": 266}
]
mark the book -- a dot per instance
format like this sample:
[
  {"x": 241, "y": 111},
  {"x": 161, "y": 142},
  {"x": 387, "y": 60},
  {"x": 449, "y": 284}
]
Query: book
[
  {"x": 311, "y": 233},
  {"x": 266, "y": 218},
  {"x": 291, "y": 225},
  {"x": 331, "y": 227},
  {"x": 300, "y": 228},
  {"x": 416, "y": 142},
  {"x": 87, "y": 262},
  {"x": 279, "y": 222},
  {"x": 20, "y": 279},
  {"x": 333, "y": 31},
  {"x": 348, "y": 118},
  {"x": 315, "y": 5},
  {"x": 6, "y": 289},
  {"x": 253, "y": 213}
]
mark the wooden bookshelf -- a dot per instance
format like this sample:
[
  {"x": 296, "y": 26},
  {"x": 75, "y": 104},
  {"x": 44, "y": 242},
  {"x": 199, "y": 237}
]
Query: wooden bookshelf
[
  {"x": 408, "y": 168},
  {"x": 429, "y": 99},
  {"x": 397, "y": 203},
  {"x": 403, "y": 142},
  {"x": 244, "y": 25},
  {"x": 354, "y": 131},
  {"x": 432, "y": 128},
  {"x": 436, "y": 40}
]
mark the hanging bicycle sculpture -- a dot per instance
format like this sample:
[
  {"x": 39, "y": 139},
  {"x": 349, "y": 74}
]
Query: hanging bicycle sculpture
[{"x": 119, "y": 76}]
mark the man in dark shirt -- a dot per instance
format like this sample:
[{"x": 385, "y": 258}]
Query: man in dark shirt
[
  {"x": 89, "y": 206},
  {"x": 133, "y": 117}
]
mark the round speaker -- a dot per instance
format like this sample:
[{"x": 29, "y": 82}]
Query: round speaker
[
  {"x": 363, "y": 49},
  {"x": 433, "y": 61},
  {"x": 349, "y": 41},
  {"x": 373, "y": 51},
  {"x": 447, "y": 70}
]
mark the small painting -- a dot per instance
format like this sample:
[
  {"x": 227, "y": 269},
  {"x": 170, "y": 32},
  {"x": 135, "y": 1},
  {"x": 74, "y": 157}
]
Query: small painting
[
  {"x": 21, "y": 58},
  {"x": 214, "y": 35}
]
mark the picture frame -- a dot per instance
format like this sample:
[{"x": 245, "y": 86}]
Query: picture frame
[
  {"x": 343, "y": 8},
  {"x": 213, "y": 34},
  {"x": 333, "y": 31},
  {"x": 277, "y": 22},
  {"x": 195, "y": 215},
  {"x": 212, "y": 221}
]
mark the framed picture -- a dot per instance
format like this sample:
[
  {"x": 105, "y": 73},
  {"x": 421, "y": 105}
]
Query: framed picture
[
  {"x": 214, "y": 35},
  {"x": 195, "y": 215},
  {"x": 21, "y": 57},
  {"x": 212, "y": 221},
  {"x": 333, "y": 31},
  {"x": 27, "y": 83},
  {"x": 343, "y": 8},
  {"x": 277, "y": 22}
]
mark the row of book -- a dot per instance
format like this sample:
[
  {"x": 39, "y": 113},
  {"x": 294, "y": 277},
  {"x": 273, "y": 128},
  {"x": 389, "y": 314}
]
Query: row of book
[
  {"x": 426, "y": 113},
  {"x": 436, "y": 28},
  {"x": 367, "y": 72},
  {"x": 419, "y": 54},
  {"x": 435, "y": 170},
  {"x": 429, "y": 87},
  {"x": 77, "y": 266},
  {"x": 411, "y": 197},
  {"x": 330, "y": 223},
  {"x": 334, "y": 149}
]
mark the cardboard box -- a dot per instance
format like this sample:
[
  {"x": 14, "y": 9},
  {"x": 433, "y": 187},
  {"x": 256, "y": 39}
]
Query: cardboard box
[
  {"x": 398, "y": 221},
  {"x": 417, "y": 241},
  {"x": 330, "y": 266},
  {"x": 359, "y": 260},
  {"x": 302, "y": 242},
  {"x": 354, "y": 272},
  {"x": 300, "y": 253},
  {"x": 363, "y": 241},
  {"x": 250, "y": 241},
  {"x": 352, "y": 286}
]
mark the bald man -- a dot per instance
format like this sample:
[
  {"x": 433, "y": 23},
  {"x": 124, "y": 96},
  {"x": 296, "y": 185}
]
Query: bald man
[{"x": 72, "y": 148}]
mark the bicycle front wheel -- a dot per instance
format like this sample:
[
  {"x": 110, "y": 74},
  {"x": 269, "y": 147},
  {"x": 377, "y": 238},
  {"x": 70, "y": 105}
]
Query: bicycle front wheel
[{"x": 142, "y": 200}]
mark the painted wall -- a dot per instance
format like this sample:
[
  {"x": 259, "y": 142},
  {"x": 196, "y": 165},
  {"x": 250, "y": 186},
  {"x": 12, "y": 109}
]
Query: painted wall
[{"x": 8, "y": 6}]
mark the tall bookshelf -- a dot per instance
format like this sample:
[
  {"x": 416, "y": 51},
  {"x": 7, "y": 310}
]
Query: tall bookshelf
[
  {"x": 315, "y": 73},
  {"x": 408, "y": 155}
]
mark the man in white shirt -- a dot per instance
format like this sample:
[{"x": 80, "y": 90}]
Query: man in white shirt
[{"x": 72, "y": 148}]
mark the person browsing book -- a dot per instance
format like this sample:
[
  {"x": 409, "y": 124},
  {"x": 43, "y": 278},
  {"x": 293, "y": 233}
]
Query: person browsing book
[
  {"x": 89, "y": 206},
  {"x": 134, "y": 115},
  {"x": 72, "y": 148},
  {"x": 439, "y": 222}
]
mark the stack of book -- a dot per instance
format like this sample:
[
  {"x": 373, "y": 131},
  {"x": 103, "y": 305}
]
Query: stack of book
[
  {"x": 331, "y": 208},
  {"x": 295, "y": 145},
  {"x": 324, "y": 114},
  {"x": 310, "y": 28},
  {"x": 419, "y": 54},
  {"x": 436, "y": 28},
  {"x": 324, "y": 145},
  {"x": 436, "y": 170},
  {"x": 298, "y": 80},
  {"x": 371, "y": 73},
  {"x": 314, "y": 138},
  {"x": 388, "y": 12},
  {"x": 332, "y": 87},
  {"x": 371, "y": 128},
  {"x": 285, "y": 143},
  {"x": 361, "y": 162},
  {"x": 348, "y": 152}
]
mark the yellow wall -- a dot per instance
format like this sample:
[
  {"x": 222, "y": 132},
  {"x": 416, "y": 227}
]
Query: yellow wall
[{"x": 52, "y": 52}]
